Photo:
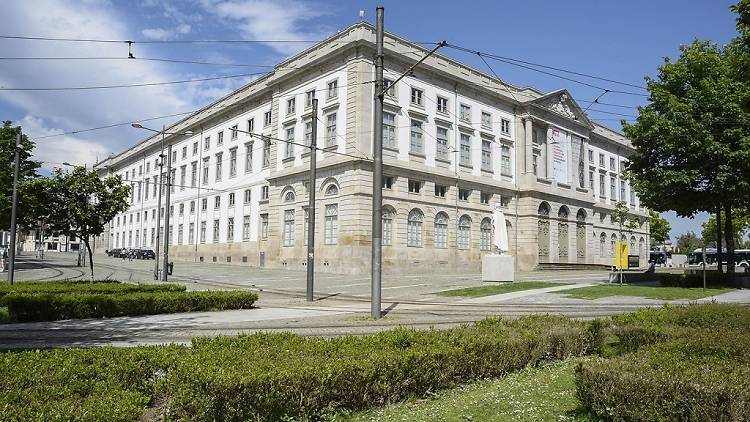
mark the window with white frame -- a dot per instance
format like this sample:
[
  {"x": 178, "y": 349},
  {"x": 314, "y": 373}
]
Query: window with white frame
[
  {"x": 202, "y": 233},
  {"x": 331, "y": 129},
  {"x": 231, "y": 199},
  {"x": 192, "y": 207},
  {"x": 266, "y": 153},
  {"x": 206, "y": 143},
  {"x": 622, "y": 190},
  {"x": 591, "y": 181},
  {"x": 414, "y": 228},
  {"x": 612, "y": 163},
  {"x": 464, "y": 113},
  {"x": 191, "y": 233},
  {"x": 464, "y": 232},
  {"x": 389, "y": 87},
  {"x": 288, "y": 237},
  {"x": 505, "y": 168},
  {"x": 440, "y": 190},
  {"x": 305, "y": 225},
  {"x": 416, "y": 144},
  {"x": 333, "y": 89},
  {"x": 442, "y": 105},
  {"x": 289, "y": 196},
  {"x": 251, "y": 125},
  {"x": 441, "y": 230},
  {"x": 290, "y": 103},
  {"x": 232, "y": 162},
  {"x": 465, "y": 150},
  {"x": 246, "y": 227},
  {"x": 230, "y": 229},
  {"x": 601, "y": 186},
  {"x": 308, "y": 132},
  {"x": 181, "y": 208},
  {"x": 247, "y": 195},
  {"x": 632, "y": 197},
  {"x": 505, "y": 126},
  {"x": 217, "y": 202},
  {"x": 289, "y": 147},
  {"x": 220, "y": 138},
  {"x": 233, "y": 132},
  {"x": 601, "y": 160},
  {"x": 389, "y": 130},
  {"x": 612, "y": 189},
  {"x": 309, "y": 97},
  {"x": 248, "y": 157},
  {"x": 486, "y": 120},
  {"x": 484, "y": 198},
  {"x": 195, "y": 150},
  {"x": 415, "y": 186},
  {"x": 416, "y": 97},
  {"x": 216, "y": 231},
  {"x": 332, "y": 190},
  {"x": 441, "y": 140},
  {"x": 193, "y": 174},
  {"x": 205, "y": 171},
  {"x": 387, "y": 216},
  {"x": 464, "y": 194},
  {"x": 591, "y": 156},
  {"x": 204, "y": 204},
  {"x": 387, "y": 182},
  {"x": 267, "y": 118},
  {"x": 486, "y": 155},
  {"x": 184, "y": 155},
  {"x": 485, "y": 235},
  {"x": 264, "y": 192},
  {"x": 219, "y": 166},
  {"x": 264, "y": 226},
  {"x": 331, "y": 224}
]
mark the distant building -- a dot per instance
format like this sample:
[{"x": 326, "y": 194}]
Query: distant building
[{"x": 456, "y": 142}]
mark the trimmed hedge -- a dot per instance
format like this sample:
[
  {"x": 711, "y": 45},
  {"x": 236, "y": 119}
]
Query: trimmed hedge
[
  {"x": 277, "y": 376},
  {"x": 690, "y": 363},
  {"x": 101, "y": 287},
  {"x": 715, "y": 279},
  {"x": 51, "y": 307}
]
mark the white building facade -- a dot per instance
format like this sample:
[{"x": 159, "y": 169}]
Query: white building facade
[{"x": 456, "y": 142}]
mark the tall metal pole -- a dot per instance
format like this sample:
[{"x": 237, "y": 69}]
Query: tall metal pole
[
  {"x": 311, "y": 203},
  {"x": 14, "y": 210},
  {"x": 158, "y": 207},
  {"x": 167, "y": 188},
  {"x": 377, "y": 171}
]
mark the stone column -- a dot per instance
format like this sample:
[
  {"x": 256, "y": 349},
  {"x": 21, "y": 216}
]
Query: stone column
[
  {"x": 528, "y": 145},
  {"x": 585, "y": 159},
  {"x": 550, "y": 162}
]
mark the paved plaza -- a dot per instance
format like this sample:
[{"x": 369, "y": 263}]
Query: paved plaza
[{"x": 341, "y": 305}]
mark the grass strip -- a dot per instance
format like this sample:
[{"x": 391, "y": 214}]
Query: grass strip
[
  {"x": 498, "y": 288},
  {"x": 648, "y": 292},
  {"x": 96, "y": 287}
]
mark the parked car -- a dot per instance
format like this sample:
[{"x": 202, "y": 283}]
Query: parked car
[
  {"x": 114, "y": 253},
  {"x": 147, "y": 254}
]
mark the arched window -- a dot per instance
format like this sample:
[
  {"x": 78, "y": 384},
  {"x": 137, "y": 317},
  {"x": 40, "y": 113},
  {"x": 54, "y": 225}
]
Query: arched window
[
  {"x": 441, "y": 230},
  {"x": 563, "y": 213},
  {"x": 612, "y": 245},
  {"x": 289, "y": 196},
  {"x": 464, "y": 232},
  {"x": 544, "y": 209},
  {"x": 485, "y": 235},
  {"x": 632, "y": 246},
  {"x": 581, "y": 216},
  {"x": 414, "y": 228},
  {"x": 543, "y": 232},
  {"x": 387, "y": 226},
  {"x": 602, "y": 243},
  {"x": 332, "y": 190}
]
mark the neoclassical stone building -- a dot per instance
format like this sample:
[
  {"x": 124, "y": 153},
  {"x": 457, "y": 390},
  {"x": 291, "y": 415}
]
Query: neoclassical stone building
[{"x": 456, "y": 142}]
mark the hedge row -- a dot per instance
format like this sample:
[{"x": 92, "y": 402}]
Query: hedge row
[
  {"x": 100, "y": 287},
  {"x": 714, "y": 279},
  {"x": 277, "y": 376},
  {"x": 690, "y": 363},
  {"x": 51, "y": 307}
]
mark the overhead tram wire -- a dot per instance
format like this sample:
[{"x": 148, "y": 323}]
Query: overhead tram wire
[{"x": 152, "y": 59}]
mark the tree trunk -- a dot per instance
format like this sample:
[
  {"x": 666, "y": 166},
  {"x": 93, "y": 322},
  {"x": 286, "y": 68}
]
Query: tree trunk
[
  {"x": 729, "y": 235},
  {"x": 718, "y": 240},
  {"x": 91, "y": 257}
]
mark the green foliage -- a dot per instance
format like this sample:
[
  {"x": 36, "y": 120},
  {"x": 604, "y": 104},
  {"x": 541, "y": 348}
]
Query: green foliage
[
  {"x": 713, "y": 279},
  {"x": 740, "y": 225},
  {"x": 688, "y": 242},
  {"x": 56, "y": 306},
  {"x": 27, "y": 173},
  {"x": 497, "y": 288},
  {"x": 99, "y": 287},
  {"x": 658, "y": 227},
  {"x": 645, "y": 291}
]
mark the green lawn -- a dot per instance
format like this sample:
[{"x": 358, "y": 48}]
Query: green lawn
[
  {"x": 498, "y": 288},
  {"x": 649, "y": 292},
  {"x": 545, "y": 393}
]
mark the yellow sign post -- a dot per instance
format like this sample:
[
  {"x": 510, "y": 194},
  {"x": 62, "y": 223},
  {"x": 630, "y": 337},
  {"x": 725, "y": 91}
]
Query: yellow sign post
[{"x": 621, "y": 255}]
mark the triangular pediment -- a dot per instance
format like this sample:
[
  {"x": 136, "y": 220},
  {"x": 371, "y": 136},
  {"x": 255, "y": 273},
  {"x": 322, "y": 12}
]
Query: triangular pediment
[{"x": 562, "y": 103}]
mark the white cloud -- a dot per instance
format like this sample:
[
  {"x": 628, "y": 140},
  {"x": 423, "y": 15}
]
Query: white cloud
[
  {"x": 273, "y": 20},
  {"x": 61, "y": 149},
  {"x": 162, "y": 34}
]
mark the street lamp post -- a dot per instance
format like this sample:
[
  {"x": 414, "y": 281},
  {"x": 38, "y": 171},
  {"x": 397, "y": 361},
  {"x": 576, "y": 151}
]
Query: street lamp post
[{"x": 165, "y": 259}]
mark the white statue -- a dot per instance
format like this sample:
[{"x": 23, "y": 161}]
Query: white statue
[{"x": 500, "y": 229}]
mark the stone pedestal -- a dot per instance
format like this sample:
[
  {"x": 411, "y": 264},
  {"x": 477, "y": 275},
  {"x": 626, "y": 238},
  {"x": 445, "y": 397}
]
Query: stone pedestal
[{"x": 498, "y": 268}]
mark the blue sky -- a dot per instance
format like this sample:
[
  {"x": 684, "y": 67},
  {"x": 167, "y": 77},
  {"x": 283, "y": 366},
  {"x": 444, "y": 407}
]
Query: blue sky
[{"x": 623, "y": 41}]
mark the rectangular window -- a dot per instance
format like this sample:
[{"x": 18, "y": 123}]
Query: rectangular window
[
  {"x": 289, "y": 147},
  {"x": 387, "y": 227},
  {"x": 442, "y": 144},
  {"x": 591, "y": 156},
  {"x": 463, "y": 194},
  {"x": 172, "y": 178},
  {"x": 193, "y": 174},
  {"x": 180, "y": 234},
  {"x": 389, "y": 130},
  {"x": 415, "y": 143},
  {"x": 220, "y": 138},
  {"x": 264, "y": 193},
  {"x": 205, "y": 171},
  {"x": 174, "y": 158},
  {"x": 232, "y": 162},
  {"x": 442, "y": 105},
  {"x": 182, "y": 209},
  {"x": 183, "y": 174},
  {"x": 192, "y": 207},
  {"x": 331, "y": 224},
  {"x": 288, "y": 238},
  {"x": 440, "y": 190},
  {"x": 248, "y": 157},
  {"x": 233, "y": 132},
  {"x": 601, "y": 160},
  {"x": 266, "y": 153},
  {"x": 612, "y": 163},
  {"x": 247, "y": 196},
  {"x": 535, "y": 163},
  {"x": 486, "y": 120},
  {"x": 612, "y": 189},
  {"x": 309, "y": 97},
  {"x": 290, "y": 103},
  {"x": 622, "y": 190},
  {"x": 264, "y": 226},
  {"x": 484, "y": 198},
  {"x": 231, "y": 199},
  {"x": 219, "y": 166},
  {"x": 206, "y": 143},
  {"x": 591, "y": 181},
  {"x": 505, "y": 126},
  {"x": 389, "y": 88},
  {"x": 464, "y": 113},
  {"x": 204, "y": 204},
  {"x": 203, "y": 232},
  {"x": 230, "y": 229},
  {"x": 184, "y": 152},
  {"x": 331, "y": 129},
  {"x": 246, "y": 227},
  {"x": 191, "y": 233},
  {"x": 415, "y": 186},
  {"x": 333, "y": 89},
  {"x": 267, "y": 118},
  {"x": 251, "y": 125},
  {"x": 416, "y": 97},
  {"x": 486, "y": 155},
  {"x": 632, "y": 197},
  {"x": 216, "y": 232},
  {"x": 217, "y": 202},
  {"x": 387, "y": 182},
  {"x": 505, "y": 160},
  {"x": 465, "y": 150},
  {"x": 601, "y": 186},
  {"x": 305, "y": 225},
  {"x": 195, "y": 148},
  {"x": 308, "y": 132}
]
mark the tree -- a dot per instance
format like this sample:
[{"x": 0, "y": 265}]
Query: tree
[
  {"x": 27, "y": 171},
  {"x": 692, "y": 140},
  {"x": 740, "y": 227},
  {"x": 84, "y": 203},
  {"x": 688, "y": 242},
  {"x": 659, "y": 227}
]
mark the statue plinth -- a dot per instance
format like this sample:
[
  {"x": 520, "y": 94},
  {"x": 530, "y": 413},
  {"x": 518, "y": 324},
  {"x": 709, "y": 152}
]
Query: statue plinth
[{"x": 498, "y": 268}]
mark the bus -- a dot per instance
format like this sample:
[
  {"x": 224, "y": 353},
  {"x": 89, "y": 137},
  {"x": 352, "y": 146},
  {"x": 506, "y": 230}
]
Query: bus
[
  {"x": 741, "y": 257},
  {"x": 660, "y": 258}
]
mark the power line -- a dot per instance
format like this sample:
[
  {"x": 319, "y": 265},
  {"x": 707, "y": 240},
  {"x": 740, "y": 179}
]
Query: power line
[
  {"x": 199, "y": 41},
  {"x": 153, "y": 59}
]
